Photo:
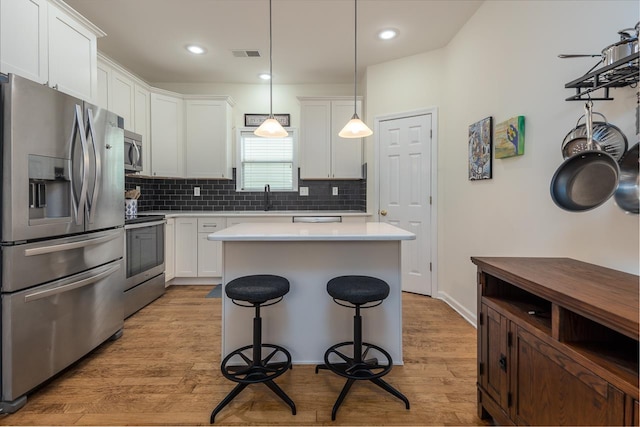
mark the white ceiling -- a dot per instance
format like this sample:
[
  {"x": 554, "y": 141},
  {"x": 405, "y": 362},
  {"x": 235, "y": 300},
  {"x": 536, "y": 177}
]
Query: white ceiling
[{"x": 312, "y": 39}]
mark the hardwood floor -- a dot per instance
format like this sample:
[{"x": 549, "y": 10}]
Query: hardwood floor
[{"x": 165, "y": 371}]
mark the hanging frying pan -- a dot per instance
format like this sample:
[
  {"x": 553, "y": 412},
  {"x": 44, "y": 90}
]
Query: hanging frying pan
[
  {"x": 587, "y": 179},
  {"x": 628, "y": 193}
]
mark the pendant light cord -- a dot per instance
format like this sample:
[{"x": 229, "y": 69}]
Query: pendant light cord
[
  {"x": 270, "y": 65},
  {"x": 355, "y": 55}
]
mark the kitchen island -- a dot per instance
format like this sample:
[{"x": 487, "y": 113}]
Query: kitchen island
[{"x": 307, "y": 321}]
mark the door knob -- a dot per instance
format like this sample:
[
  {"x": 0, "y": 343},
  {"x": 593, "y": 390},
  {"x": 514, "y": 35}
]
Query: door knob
[{"x": 383, "y": 212}]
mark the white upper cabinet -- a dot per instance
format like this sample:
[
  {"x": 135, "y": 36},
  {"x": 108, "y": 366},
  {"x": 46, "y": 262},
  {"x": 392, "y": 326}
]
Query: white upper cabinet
[
  {"x": 167, "y": 141},
  {"x": 23, "y": 38},
  {"x": 208, "y": 124},
  {"x": 323, "y": 154},
  {"x": 142, "y": 121},
  {"x": 104, "y": 82},
  {"x": 48, "y": 42},
  {"x": 122, "y": 98},
  {"x": 129, "y": 97},
  {"x": 72, "y": 56}
]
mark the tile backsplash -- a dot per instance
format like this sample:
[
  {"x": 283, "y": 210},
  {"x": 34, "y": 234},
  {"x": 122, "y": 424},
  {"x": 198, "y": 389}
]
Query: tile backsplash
[{"x": 221, "y": 195}]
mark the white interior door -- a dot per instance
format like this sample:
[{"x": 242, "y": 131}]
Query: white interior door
[{"x": 405, "y": 192}]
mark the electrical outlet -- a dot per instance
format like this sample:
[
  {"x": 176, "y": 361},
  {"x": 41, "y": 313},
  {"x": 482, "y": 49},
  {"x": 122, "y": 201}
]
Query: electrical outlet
[
  {"x": 196, "y": 191},
  {"x": 304, "y": 191},
  {"x": 335, "y": 191}
]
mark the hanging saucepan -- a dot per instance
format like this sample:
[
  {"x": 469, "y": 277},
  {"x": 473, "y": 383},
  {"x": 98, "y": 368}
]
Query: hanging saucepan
[
  {"x": 586, "y": 180},
  {"x": 627, "y": 45},
  {"x": 606, "y": 137},
  {"x": 627, "y": 195}
]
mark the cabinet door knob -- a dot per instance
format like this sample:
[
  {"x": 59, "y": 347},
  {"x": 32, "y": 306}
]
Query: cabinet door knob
[
  {"x": 503, "y": 362},
  {"x": 383, "y": 212}
]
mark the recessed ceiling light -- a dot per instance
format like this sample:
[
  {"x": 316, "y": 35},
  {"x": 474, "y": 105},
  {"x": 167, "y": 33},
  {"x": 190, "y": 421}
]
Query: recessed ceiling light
[
  {"x": 387, "y": 34},
  {"x": 265, "y": 76},
  {"x": 196, "y": 50}
]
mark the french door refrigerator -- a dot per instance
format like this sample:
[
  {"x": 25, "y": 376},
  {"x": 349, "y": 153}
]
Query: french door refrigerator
[{"x": 62, "y": 235}]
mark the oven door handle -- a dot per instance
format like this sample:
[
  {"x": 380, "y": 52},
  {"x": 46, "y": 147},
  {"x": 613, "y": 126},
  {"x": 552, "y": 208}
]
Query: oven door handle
[
  {"x": 71, "y": 286},
  {"x": 68, "y": 246},
  {"x": 145, "y": 224}
]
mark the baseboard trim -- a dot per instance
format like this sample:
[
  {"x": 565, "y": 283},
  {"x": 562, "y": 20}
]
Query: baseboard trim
[
  {"x": 195, "y": 281},
  {"x": 459, "y": 308}
]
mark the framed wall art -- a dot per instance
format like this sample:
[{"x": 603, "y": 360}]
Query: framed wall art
[
  {"x": 255, "y": 120},
  {"x": 510, "y": 138},
  {"x": 480, "y": 147}
]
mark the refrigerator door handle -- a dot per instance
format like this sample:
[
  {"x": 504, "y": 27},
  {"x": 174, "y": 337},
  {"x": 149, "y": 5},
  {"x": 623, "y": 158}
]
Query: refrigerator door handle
[
  {"x": 80, "y": 199},
  {"x": 71, "y": 286},
  {"x": 98, "y": 172},
  {"x": 68, "y": 246}
]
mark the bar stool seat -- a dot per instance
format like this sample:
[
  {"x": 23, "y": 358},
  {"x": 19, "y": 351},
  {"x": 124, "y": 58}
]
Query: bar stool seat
[
  {"x": 249, "y": 364},
  {"x": 352, "y": 359}
]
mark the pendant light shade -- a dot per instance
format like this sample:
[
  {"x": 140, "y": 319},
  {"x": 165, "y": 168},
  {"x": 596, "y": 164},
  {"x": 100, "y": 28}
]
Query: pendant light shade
[
  {"x": 271, "y": 128},
  {"x": 355, "y": 128}
]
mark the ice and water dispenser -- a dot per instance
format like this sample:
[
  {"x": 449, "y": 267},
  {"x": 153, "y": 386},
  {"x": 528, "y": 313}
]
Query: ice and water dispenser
[{"x": 49, "y": 188}]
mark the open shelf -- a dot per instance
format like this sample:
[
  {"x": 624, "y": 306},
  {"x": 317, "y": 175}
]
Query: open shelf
[
  {"x": 621, "y": 73},
  {"x": 536, "y": 313}
]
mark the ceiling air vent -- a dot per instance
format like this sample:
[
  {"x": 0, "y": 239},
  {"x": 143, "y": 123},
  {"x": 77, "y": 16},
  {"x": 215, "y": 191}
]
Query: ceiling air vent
[{"x": 246, "y": 53}]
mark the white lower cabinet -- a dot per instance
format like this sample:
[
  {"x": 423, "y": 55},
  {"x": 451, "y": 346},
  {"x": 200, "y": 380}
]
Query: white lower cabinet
[
  {"x": 187, "y": 247},
  {"x": 169, "y": 250},
  {"x": 195, "y": 256},
  {"x": 209, "y": 252}
]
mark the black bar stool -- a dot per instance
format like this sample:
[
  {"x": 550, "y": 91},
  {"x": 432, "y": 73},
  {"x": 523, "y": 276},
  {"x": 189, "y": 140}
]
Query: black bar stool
[
  {"x": 249, "y": 366},
  {"x": 358, "y": 292}
]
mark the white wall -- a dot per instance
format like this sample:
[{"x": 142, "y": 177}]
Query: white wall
[
  {"x": 254, "y": 98},
  {"x": 503, "y": 63}
]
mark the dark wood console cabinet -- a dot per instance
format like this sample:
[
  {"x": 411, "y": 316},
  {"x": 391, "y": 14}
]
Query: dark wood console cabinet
[{"x": 557, "y": 342}]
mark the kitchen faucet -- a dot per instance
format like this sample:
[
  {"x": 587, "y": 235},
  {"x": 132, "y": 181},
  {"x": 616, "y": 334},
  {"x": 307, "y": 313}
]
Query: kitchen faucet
[{"x": 267, "y": 202}]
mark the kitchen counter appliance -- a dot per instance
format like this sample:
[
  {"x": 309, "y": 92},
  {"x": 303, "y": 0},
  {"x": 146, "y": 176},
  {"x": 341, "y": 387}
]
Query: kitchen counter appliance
[
  {"x": 61, "y": 234},
  {"x": 144, "y": 262}
]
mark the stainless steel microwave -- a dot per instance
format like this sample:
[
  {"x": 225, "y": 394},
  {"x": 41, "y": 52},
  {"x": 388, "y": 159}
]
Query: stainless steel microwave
[{"x": 132, "y": 152}]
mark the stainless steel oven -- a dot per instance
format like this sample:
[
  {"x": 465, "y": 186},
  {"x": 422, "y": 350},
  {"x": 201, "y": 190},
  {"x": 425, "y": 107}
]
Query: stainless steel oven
[{"x": 144, "y": 257}]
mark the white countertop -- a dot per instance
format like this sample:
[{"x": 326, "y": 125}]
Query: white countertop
[
  {"x": 173, "y": 214},
  {"x": 311, "y": 232}
]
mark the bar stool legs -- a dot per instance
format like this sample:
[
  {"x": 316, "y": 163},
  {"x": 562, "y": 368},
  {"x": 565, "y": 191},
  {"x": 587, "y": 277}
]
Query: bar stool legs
[
  {"x": 248, "y": 364},
  {"x": 364, "y": 363}
]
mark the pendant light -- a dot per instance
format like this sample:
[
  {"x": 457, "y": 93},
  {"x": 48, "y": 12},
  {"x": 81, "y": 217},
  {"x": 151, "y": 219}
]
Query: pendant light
[
  {"x": 271, "y": 128},
  {"x": 355, "y": 128}
]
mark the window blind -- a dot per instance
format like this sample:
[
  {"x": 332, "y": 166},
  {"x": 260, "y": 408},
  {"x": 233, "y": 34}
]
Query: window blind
[{"x": 267, "y": 161}]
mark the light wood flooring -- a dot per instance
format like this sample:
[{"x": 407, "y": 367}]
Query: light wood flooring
[{"x": 165, "y": 371}]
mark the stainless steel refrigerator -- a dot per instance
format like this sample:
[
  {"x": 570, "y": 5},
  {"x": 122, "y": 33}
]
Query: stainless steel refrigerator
[{"x": 62, "y": 235}]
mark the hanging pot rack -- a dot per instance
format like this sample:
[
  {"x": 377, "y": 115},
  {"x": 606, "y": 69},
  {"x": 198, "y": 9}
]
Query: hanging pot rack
[{"x": 624, "y": 72}]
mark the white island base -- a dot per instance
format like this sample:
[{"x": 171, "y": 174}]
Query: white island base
[{"x": 307, "y": 321}]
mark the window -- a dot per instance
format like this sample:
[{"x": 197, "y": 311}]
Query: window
[{"x": 263, "y": 161}]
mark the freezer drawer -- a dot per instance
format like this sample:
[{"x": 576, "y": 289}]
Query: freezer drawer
[
  {"x": 32, "y": 264},
  {"x": 47, "y": 328}
]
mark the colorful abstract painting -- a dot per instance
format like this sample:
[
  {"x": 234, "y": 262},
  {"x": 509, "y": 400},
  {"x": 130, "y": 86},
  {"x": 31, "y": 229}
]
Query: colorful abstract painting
[
  {"x": 510, "y": 138},
  {"x": 480, "y": 149}
]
